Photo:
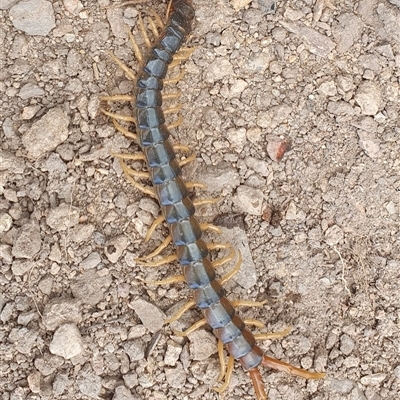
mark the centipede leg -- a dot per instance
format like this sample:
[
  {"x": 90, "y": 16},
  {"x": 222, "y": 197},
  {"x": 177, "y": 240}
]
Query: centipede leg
[
  {"x": 173, "y": 109},
  {"x": 248, "y": 303},
  {"x": 131, "y": 74},
  {"x": 175, "y": 79},
  {"x": 233, "y": 272},
  {"x": 135, "y": 46},
  {"x": 181, "y": 311},
  {"x": 228, "y": 375},
  {"x": 290, "y": 369},
  {"x": 117, "y": 97},
  {"x": 258, "y": 384},
  {"x": 191, "y": 185},
  {"x": 158, "y": 263},
  {"x": 158, "y": 19},
  {"x": 139, "y": 186},
  {"x": 211, "y": 227},
  {"x": 144, "y": 32},
  {"x": 254, "y": 322},
  {"x": 273, "y": 335},
  {"x": 133, "y": 172},
  {"x": 222, "y": 362},
  {"x": 121, "y": 117},
  {"x": 158, "y": 250},
  {"x": 203, "y": 202},
  {"x": 167, "y": 281},
  {"x": 172, "y": 95},
  {"x": 194, "y": 327},
  {"x": 175, "y": 124},
  {"x": 124, "y": 131}
]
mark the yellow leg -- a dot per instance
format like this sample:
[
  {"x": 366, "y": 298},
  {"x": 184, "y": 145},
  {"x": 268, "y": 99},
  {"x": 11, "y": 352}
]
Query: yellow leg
[
  {"x": 158, "y": 250},
  {"x": 211, "y": 227},
  {"x": 206, "y": 201},
  {"x": 167, "y": 281},
  {"x": 234, "y": 271},
  {"x": 126, "y": 118},
  {"x": 133, "y": 172},
  {"x": 143, "y": 32},
  {"x": 191, "y": 185},
  {"x": 124, "y": 131},
  {"x": 118, "y": 97},
  {"x": 179, "y": 314},
  {"x": 142, "y": 188},
  {"x": 157, "y": 18},
  {"x": 254, "y": 322},
  {"x": 248, "y": 303},
  {"x": 273, "y": 335},
  {"x": 221, "y": 357},
  {"x": 158, "y": 221},
  {"x": 290, "y": 369},
  {"x": 134, "y": 157},
  {"x": 195, "y": 326},
  {"x": 223, "y": 260},
  {"x": 183, "y": 55},
  {"x": 131, "y": 74},
  {"x": 228, "y": 376},
  {"x": 174, "y": 79},
  {"x": 176, "y": 123},
  {"x": 173, "y": 95},
  {"x": 153, "y": 27},
  {"x": 135, "y": 46},
  {"x": 158, "y": 263},
  {"x": 187, "y": 160},
  {"x": 173, "y": 109}
]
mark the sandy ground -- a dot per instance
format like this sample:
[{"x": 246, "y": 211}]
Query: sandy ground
[{"x": 319, "y": 229}]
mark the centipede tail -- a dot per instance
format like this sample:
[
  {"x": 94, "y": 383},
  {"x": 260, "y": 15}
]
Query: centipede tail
[{"x": 178, "y": 210}]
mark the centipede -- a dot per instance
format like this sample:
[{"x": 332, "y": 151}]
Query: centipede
[{"x": 178, "y": 210}]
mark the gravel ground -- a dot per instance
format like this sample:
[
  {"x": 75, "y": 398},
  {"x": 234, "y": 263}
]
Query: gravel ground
[{"x": 292, "y": 108}]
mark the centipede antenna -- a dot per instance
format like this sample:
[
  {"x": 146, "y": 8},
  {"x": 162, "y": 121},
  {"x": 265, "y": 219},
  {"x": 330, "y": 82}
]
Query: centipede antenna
[
  {"x": 134, "y": 45},
  {"x": 157, "y": 18}
]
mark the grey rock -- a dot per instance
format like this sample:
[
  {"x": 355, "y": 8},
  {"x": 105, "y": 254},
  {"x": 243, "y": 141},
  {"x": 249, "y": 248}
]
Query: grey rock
[
  {"x": 90, "y": 287},
  {"x": 368, "y": 97},
  {"x": 347, "y": 31},
  {"x": 5, "y": 4},
  {"x": 63, "y": 217},
  {"x": 343, "y": 386},
  {"x": 123, "y": 393},
  {"x": 346, "y": 344},
  {"x": 28, "y": 241},
  {"x": 30, "y": 90},
  {"x": 67, "y": 341},
  {"x": 20, "y": 267},
  {"x": 202, "y": 345},
  {"x": 61, "y": 384},
  {"x": 249, "y": 200},
  {"x": 55, "y": 165},
  {"x": 134, "y": 349},
  {"x": 89, "y": 384},
  {"x": 81, "y": 232},
  {"x": 34, "y": 381},
  {"x": 6, "y": 254},
  {"x": 7, "y": 312},
  {"x": 172, "y": 354},
  {"x": 34, "y": 17},
  {"x": 48, "y": 363},
  {"x": 24, "y": 339},
  {"x": 46, "y": 284},
  {"x": 150, "y": 315},
  {"x": 9, "y": 161},
  {"x": 91, "y": 261},
  {"x": 176, "y": 377},
  {"x": 334, "y": 235},
  {"x": 59, "y": 311},
  {"x": 373, "y": 379},
  {"x": 47, "y": 133},
  {"x": 115, "y": 247},
  {"x": 5, "y": 222},
  {"x": 369, "y": 143},
  {"x": 318, "y": 44}
]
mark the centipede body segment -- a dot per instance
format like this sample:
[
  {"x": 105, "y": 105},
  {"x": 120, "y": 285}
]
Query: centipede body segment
[{"x": 178, "y": 210}]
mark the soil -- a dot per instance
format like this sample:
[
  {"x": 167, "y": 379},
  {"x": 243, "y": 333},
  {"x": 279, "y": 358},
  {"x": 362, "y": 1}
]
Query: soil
[{"x": 318, "y": 221}]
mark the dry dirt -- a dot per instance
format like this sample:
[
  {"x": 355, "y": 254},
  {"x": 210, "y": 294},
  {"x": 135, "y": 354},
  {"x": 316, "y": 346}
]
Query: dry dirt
[{"x": 320, "y": 229}]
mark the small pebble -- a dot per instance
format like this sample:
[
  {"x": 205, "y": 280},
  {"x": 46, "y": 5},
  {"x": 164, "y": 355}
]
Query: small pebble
[{"x": 67, "y": 341}]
